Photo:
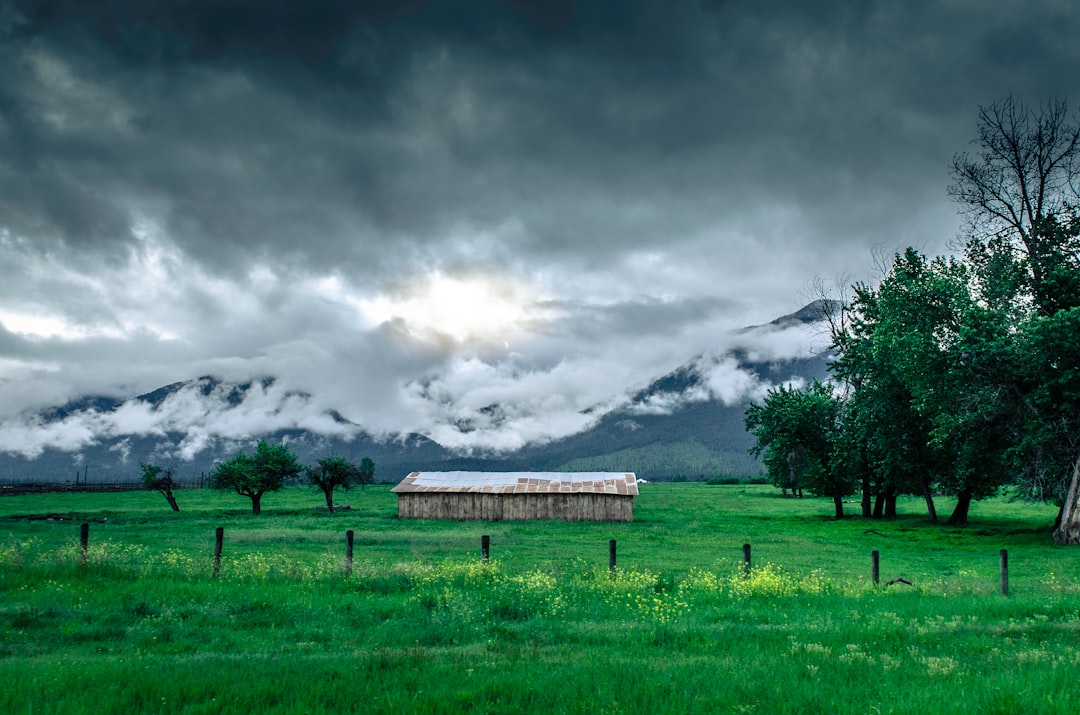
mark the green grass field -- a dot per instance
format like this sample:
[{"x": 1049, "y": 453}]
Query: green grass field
[{"x": 141, "y": 625}]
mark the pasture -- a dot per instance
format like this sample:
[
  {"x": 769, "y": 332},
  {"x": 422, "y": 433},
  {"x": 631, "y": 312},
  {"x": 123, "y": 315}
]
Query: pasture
[{"x": 140, "y": 624}]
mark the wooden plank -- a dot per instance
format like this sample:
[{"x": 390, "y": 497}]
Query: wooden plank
[{"x": 518, "y": 507}]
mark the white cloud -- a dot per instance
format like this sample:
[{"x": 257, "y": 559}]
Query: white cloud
[{"x": 409, "y": 221}]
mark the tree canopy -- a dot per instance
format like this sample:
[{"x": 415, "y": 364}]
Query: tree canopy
[
  {"x": 331, "y": 473},
  {"x": 797, "y": 431},
  {"x": 158, "y": 478},
  {"x": 254, "y": 475},
  {"x": 959, "y": 375}
]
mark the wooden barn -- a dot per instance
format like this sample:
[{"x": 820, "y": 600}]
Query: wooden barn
[{"x": 495, "y": 496}]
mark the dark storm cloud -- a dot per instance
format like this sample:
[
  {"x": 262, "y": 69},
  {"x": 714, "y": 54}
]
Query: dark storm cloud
[
  {"x": 660, "y": 319},
  {"x": 321, "y": 133},
  {"x": 226, "y": 186},
  {"x": 262, "y": 132}
]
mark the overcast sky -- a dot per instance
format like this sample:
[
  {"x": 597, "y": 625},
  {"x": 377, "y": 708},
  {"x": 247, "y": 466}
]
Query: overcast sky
[{"x": 412, "y": 210}]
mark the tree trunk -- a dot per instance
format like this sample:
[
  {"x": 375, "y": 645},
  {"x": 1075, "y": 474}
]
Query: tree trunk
[
  {"x": 929, "y": 497},
  {"x": 792, "y": 463},
  {"x": 1068, "y": 528},
  {"x": 329, "y": 493},
  {"x": 256, "y": 506},
  {"x": 879, "y": 504},
  {"x": 838, "y": 502},
  {"x": 960, "y": 513},
  {"x": 866, "y": 507},
  {"x": 890, "y": 505},
  {"x": 167, "y": 493}
]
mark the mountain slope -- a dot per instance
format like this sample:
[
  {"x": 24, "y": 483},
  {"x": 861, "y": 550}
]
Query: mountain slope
[
  {"x": 693, "y": 436},
  {"x": 687, "y": 423}
]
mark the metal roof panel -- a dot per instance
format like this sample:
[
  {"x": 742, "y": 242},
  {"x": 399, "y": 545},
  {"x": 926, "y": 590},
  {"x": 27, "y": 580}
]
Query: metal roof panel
[{"x": 622, "y": 483}]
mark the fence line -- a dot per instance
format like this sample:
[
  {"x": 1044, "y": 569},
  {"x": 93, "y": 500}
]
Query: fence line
[
  {"x": 485, "y": 555},
  {"x": 62, "y": 487}
]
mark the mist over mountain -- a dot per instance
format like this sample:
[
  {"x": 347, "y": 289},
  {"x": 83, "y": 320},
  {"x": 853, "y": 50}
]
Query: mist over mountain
[{"x": 687, "y": 423}]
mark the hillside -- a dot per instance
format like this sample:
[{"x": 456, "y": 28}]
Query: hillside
[
  {"x": 681, "y": 425},
  {"x": 698, "y": 439}
]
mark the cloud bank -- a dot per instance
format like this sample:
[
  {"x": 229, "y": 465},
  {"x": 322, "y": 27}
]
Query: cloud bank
[{"x": 411, "y": 212}]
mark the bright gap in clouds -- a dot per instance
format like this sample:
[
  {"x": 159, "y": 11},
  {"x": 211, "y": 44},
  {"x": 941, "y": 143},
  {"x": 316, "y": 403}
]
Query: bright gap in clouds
[
  {"x": 39, "y": 325},
  {"x": 464, "y": 309}
]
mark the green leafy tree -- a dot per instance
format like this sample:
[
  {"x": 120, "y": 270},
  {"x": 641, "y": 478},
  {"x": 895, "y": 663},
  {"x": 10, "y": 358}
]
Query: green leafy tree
[
  {"x": 1043, "y": 380},
  {"x": 885, "y": 441},
  {"x": 1047, "y": 455},
  {"x": 367, "y": 472},
  {"x": 951, "y": 351},
  {"x": 1021, "y": 193},
  {"x": 331, "y": 473},
  {"x": 888, "y": 443},
  {"x": 963, "y": 374},
  {"x": 796, "y": 431},
  {"x": 923, "y": 355},
  {"x": 253, "y": 475},
  {"x": 157, "y": 478}
]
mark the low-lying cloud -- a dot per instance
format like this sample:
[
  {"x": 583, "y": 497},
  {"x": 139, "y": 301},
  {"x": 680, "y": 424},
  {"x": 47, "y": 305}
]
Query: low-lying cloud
[{"x": 469, "y": 404}]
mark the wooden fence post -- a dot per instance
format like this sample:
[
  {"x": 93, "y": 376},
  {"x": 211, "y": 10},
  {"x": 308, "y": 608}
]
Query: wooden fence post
[
  {"x": 611, "y": 555},
  {"x": 746, "y": 560},
  {"x": 1004, "y": 572},
  {"x": 875, "y": 571},
  {"x": 485, "y": 547},
  {"x": 219, "y": 537},
  {"x": 84, "y": 539},
  {"x": 348, "y": 552}
]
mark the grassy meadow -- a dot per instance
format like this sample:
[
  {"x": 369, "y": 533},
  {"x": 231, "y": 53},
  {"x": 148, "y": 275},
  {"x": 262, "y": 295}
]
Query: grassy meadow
[{"x": 140, "y": 624}]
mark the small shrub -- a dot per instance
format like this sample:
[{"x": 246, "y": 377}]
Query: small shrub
[
  {"x": 770, "y": 580},
  {"x": 476, "y": 590},
  {"x": 717, "y": 481}
]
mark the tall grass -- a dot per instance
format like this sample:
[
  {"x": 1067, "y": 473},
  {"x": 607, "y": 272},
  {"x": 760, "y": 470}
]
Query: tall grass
[{"x": 421, "y": 624}]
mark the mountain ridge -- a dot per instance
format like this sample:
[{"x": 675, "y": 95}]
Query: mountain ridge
[{"x": 677, "y": 426}]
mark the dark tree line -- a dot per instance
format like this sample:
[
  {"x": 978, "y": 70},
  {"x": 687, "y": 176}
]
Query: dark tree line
[{"x": 958, "y": 375}]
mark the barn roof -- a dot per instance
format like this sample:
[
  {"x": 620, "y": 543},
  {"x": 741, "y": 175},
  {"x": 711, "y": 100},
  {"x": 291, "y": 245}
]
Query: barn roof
[{"x": 616, "y": 483}]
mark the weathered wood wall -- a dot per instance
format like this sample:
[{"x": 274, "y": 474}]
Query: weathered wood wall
[{"x": 521, "y": 507}]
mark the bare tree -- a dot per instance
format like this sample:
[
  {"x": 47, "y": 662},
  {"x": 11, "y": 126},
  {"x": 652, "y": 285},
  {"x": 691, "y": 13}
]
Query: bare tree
[
  {"x": 158, "y": 478},
  {"x": 832, "y": 300},
  {"x": 1026, "y": 170},
  {"x": 330, "y": 473}
]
